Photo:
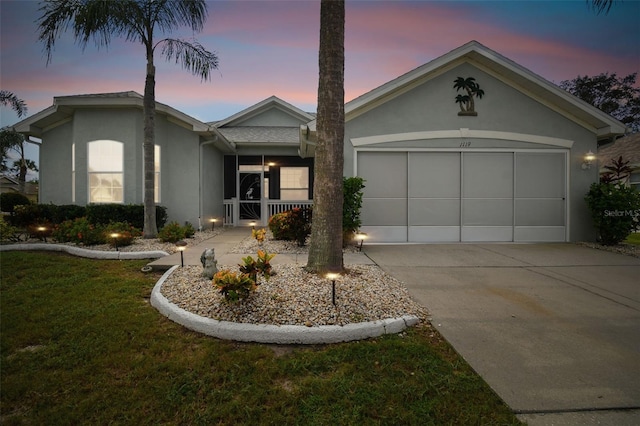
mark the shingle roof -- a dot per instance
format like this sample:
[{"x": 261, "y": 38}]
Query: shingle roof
[
  {"x": 628, "y": 147},
  {"x": 261, "y": 134}
]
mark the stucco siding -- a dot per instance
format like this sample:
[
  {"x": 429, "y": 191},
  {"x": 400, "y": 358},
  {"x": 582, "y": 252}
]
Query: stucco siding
[{"x": 55, "y": 171}]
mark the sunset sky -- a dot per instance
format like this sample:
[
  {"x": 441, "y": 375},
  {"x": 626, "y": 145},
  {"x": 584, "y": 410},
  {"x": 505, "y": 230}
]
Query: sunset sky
[{"x": 271, "y": 48}]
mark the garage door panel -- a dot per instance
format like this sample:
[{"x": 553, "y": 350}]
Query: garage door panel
[
  {"x": 540, "y": 175},
  {"x": 532, "y": 212},
  {"x": 384, "y": 212},
  {"x": 487, "y": 175},
  {"x": 385, "y": 174},
  {"x": 434, "y": 175},
  {"x": 429, "y": 212},
  {"x": 485, "y": 212}
]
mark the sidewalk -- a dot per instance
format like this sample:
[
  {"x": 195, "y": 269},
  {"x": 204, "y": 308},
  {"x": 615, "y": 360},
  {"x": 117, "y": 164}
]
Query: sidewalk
[{"x": 225, "y": 242}]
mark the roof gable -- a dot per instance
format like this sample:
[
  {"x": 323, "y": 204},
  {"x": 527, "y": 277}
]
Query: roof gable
[
  {"x": 502, "y": 68},
  {"x": 271, "y": 112}
]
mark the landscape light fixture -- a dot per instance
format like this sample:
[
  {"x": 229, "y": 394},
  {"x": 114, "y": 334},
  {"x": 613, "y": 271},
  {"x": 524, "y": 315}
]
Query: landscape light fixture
[
  {"x": 361, "y": 236},
  {"x": 115, "y": 237},
  {"x": 589, "y": 157},
  {"x": 41, "y": 232},
  {"x": 252, "y": 225},
  {"x": 182, "y": 245},
  {"x": 333, "y": 276},
  {"x": 213, "y": 223}
]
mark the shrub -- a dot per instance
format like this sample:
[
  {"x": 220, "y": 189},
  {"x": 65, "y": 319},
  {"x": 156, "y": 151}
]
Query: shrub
[
  {"x": 65, "y": 212},
  {"x": 173, "y": 232},
  {"x": 8, "y": 201},
  {"x": 189, "y": 230},
  {"x": 259, "y": 234},
  {"x": 279, "y": 226},
  {"x": 351, "y": 206},
  {"x": 232, "y": 286},
  {"x": 130, "y": 213},
  {"x": 126, "y": 234},
  {"x": 615, "y": 210},
  {"x": 292, "y": 225},
  {"x": 79, "y": 231},
  {"x": 261, "y": 265},
  {"x": 33, "y": 214},
  {"x": 8, "y": 233}
]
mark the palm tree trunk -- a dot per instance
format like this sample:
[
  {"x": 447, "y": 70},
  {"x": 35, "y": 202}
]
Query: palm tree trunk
[
  {"x": 325, "y": 251},
  {"x": 149, "y": 111}
]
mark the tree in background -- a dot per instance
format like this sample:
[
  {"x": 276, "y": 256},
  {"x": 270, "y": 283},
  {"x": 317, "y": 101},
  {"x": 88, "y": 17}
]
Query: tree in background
[
  {"x": 137, "y": 21},
  {"x": 618, "y": 97},
  {"x": 10, "y": 140},
  {"x": 601, "y": 6},
  {"x": 325, "y": 251}
]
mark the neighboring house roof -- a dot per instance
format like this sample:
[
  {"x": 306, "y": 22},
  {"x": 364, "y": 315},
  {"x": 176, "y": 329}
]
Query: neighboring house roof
[
  {"x": 500, "y": 67},
  {"x": 10, "y": 184},
  {"x": 627, "y": 147},
  {"x": 63, "y": 109}
]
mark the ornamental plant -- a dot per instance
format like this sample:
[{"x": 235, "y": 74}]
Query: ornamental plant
[
  {"x": 261, "y": 265},
  {"x": 259, "y": 235},
  {"x": 233, "y": 286},
  {"x": 351, "y": 206},
  {"x": 615, "y": 210}
]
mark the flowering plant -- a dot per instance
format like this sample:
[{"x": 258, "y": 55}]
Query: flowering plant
[{"x": 233, "y": 286}]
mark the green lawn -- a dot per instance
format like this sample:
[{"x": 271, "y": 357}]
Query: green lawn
[
  {"x": 633, "y": 239},
  {"x": 80, "y": 344}
]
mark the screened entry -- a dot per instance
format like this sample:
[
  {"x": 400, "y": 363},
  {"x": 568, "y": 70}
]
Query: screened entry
[
  {"x": 464, "y": 196},
  {"x": 258, "y": 186}
]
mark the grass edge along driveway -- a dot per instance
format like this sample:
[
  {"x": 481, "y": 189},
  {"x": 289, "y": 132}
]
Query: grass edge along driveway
[{"x": 80, "y": 344}]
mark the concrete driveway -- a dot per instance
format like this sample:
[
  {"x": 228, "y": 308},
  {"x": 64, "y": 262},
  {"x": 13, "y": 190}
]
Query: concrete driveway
[{"x": 552, "y": 328}]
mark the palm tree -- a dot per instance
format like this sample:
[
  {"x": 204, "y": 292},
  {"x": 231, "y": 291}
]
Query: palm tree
[
  {"x": 325, "y": 251},
  {"x": 137, "y": 21},
  {"x": 472, "y": 88},
  {"x": 9, "y": 99},
  {"x": 12, "y": 140},
  {"x": 601, "y": 6}
]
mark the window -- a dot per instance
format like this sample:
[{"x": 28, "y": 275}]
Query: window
[
  {"x": 105, "y": 171},
  {"x": 73, "y": 172},
  {"x": 294, "y": 183},
  {"x": 634, "y": 180}
]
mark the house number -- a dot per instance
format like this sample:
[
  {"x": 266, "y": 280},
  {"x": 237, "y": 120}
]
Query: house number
[{"x": 465, "y": 144}]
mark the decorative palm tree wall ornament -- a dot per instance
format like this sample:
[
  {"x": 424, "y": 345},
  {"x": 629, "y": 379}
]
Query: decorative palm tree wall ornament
[{"x": 467, "y": 105}]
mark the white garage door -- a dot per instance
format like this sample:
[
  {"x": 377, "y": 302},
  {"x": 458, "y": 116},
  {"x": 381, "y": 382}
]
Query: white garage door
[{"x": 463, "y": 196}]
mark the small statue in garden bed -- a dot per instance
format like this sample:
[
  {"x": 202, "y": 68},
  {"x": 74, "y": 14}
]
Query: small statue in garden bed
[{"x": 209, "y": 263}]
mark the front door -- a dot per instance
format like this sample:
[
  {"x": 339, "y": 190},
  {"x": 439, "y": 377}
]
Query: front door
[{"x": 250, "y": 196}]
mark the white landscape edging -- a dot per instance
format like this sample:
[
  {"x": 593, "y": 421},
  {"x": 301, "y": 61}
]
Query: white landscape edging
[
  {"x": 82, "y": 252},
  {"x": 279, "y": 334}
]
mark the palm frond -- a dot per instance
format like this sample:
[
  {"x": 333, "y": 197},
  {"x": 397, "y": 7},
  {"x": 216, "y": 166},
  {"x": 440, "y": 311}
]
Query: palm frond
[
  {"x": 601, "y": 6},
  {"x": 9, "y": 99},
  {"x": 192, "y": 56}
]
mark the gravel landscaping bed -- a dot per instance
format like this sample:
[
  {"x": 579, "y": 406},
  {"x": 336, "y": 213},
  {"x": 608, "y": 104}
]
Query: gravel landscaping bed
[{"x": 627, "y": 249}]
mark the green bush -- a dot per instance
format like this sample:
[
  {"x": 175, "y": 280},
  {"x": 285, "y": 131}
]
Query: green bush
[
  {"x": 292, "y": 225},
  {"x": 173, "y": 232},
  {"x": 130, "y": 213},
  {"x": 615, "y": 210},
  {"x": 8, "y": 233},
  {"x": 33, "y": 215},
  {"x": 8, "y": 201},
  {"x": 66, "y": 212},
  {"x": 79, "y": 231},
  {"x": 126, "y": 234},
  {"x": 351, "y": 206}
]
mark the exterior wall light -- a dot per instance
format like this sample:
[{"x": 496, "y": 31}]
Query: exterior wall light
[
  {"x": 182, "y": 246},
  {"x": 333, "y": 276},
  {"x": 213, "y": 223},
  {"x": 589, "y": 157},
  {"x": 361, "y": 236}
]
